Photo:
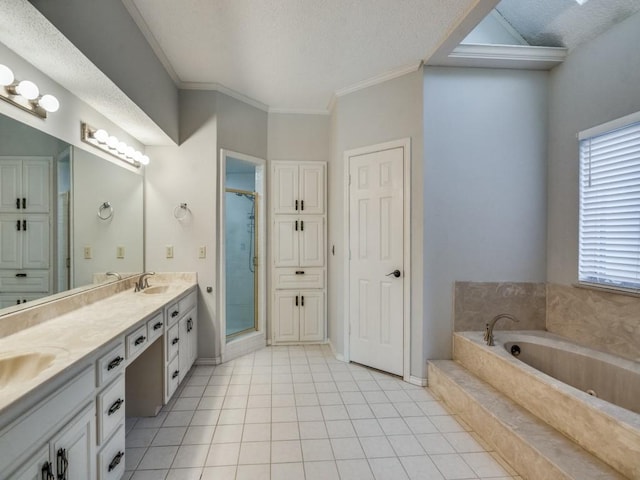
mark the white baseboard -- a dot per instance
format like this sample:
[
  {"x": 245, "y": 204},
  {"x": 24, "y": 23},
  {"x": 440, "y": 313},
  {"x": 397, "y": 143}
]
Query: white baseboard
[
  {"x": 208, "y": 361},
  {"x": 421, "y": 382}
]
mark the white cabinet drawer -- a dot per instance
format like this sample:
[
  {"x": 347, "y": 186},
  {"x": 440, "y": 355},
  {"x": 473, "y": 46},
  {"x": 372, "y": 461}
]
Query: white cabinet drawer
[
  {"x": 188, "y": 302},
  {"x": 111, "y": 365},
  {"x": 173, "y": 377},
  {"x": 136, "y": 342},
  {"x": 111, "y": 458},
  {"x": 173, "y": 314},
  {"x": 110, "y": 409},
  {"x": 155, "y": 326},
  {"x": 298, "y": 278},
  {"x": 173, "y": 340},
  {"x": 24, "y": 281}
]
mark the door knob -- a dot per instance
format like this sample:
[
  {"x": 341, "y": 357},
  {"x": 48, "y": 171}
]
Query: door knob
[{"x": 396, "y": 273}]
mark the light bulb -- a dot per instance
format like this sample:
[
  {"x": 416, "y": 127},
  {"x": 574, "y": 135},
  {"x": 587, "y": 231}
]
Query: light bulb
[
  {"x": 112, "y": 142},
  {"x": 144, "y": 160},
  {"x": 137, "y": 156},
  {"x": 49, "y": 103},
  {"x": 129, "y": 151},
  {"x": 6, "y": 76},
  {"x": 101, "y": 136},
  {"x": 122, "y": 147},
  {"x": 28, "y": 90}
]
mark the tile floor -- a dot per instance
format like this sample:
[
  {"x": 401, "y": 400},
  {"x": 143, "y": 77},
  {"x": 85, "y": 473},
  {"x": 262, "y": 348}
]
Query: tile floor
[{"x": 298, "y": 413}]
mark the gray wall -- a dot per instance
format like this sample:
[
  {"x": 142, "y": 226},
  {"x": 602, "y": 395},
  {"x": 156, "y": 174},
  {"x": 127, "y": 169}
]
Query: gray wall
[
  {"x": 599, "y": 81},
  {"x": 484, "y": 186},
  {"x": 381, "y": 113},
  {"x": 188, "y": 173},
  {"x": 104, "y": 31},
  {"x": 298, "y": 137}
]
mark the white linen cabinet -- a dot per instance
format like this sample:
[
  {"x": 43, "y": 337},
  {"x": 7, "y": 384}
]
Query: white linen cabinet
[{"x": 298, "y": 217}]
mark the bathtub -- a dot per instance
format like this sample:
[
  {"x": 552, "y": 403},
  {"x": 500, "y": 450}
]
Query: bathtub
[{"x": 591, "y": 397}]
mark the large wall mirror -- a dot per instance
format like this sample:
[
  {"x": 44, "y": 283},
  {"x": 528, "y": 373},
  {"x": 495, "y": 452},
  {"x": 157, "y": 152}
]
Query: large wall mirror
[{"x": 67, "y": 217}]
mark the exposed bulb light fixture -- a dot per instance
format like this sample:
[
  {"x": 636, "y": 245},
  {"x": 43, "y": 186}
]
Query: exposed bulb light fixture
[
  {"x": 108, "y": 143},
  {"x": 25, "y": 94}
]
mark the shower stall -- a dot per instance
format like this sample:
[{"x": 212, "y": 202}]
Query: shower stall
[{"x": 241, "y": 261}]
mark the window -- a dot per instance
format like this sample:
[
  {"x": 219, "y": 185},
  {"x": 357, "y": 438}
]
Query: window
[{"x": 609, "y": 242}]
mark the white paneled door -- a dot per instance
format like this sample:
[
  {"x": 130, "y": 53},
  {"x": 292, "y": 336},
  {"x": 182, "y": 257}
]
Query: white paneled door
[{"x": 376, "y": 277}]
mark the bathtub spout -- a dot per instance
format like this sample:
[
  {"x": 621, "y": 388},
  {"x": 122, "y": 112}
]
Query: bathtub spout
[{"x": 488, "y": 332}]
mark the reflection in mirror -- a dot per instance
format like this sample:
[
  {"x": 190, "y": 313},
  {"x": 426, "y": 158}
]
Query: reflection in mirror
[{"x": 51, "y": 237}]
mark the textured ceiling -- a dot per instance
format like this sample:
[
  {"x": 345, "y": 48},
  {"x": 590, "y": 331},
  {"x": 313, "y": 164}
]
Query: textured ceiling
[
  {"x": 293, "y": 55},
  {"x": 564, "y": 23}
]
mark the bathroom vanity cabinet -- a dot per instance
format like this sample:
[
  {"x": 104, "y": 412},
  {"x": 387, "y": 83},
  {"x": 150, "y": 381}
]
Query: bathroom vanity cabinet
[
  {"x": 298, "y": 252},
  {"x": 74, "y": 422}
]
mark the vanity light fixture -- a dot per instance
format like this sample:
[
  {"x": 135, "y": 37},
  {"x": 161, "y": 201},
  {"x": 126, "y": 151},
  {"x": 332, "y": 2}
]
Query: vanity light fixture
[
  {"x": 25, "y": 95},
  {"x": 108, "y": 143}
]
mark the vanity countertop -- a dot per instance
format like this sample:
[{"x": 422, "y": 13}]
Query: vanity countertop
[{"x": 71, "y": 337}]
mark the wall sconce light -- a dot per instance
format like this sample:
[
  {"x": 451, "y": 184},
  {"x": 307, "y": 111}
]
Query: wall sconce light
[
  {"x": 108, "y": 143},
  {"x": 25, "y": 95}
]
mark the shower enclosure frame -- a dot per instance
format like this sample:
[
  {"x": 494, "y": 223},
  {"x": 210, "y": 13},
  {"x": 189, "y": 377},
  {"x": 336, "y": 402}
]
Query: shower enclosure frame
[
  {"x": 250, "y": 341},
  {"x": 253, "y": 261}
]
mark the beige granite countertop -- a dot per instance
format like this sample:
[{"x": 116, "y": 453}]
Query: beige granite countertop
[{"x": 76, "y": 335}]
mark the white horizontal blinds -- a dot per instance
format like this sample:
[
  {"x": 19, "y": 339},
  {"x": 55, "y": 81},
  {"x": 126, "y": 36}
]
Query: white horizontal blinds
[{"x": 610, "y": 208}]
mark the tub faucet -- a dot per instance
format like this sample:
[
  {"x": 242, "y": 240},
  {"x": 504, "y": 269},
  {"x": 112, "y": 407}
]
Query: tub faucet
[
  {"x": 143, "y": 281},
  {"x": 488, "y": 331}
]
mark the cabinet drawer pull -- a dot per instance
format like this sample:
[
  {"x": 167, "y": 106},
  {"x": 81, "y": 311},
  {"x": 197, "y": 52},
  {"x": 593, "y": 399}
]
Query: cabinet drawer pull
[
  {"x": 115, "y": 407},
  {"x": 296, "y": 225},
  {"x": 24, "y": 225},
  {"x": 174, "y": 313},
  {"x": 175, "y": 374},
  {"x": 301, "y": 205},
  {"x": 62, "y": 464},
  {"x": 115, "y": 362},
  {"x": 302, "y": 225},
  {"x": 24, "y": 203},
  {"x": 296, "y": 205},
  {"x": 18, "y": 207},
  {"x": 175, "y": 340},
  {"x": 116, "y": 461},
  {"x": 296, "y": 300},
  {"x": 299, "y": 272},
  {"x": 302, "y": 300},
  {"x": 47, "y": 474},
  {"x": 18, "y": 225},
  {"x": 21, "y": 275},
  {"x": 157, "y": 326},
  {"x": 139, "y": 340}
]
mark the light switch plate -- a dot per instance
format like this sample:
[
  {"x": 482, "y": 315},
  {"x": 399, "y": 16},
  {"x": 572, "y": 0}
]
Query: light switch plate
[
  {"x": 87, "y": 253},
  {"x": 202, "y": 252},
  {"x": 119, "y": 251},
  {"x": 169, "y": 251}
]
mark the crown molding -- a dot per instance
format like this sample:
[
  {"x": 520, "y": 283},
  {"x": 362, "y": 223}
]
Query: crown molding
[
  {"x": 214, "y": 86},
  {"x": 384, "y": 77},
  {"x": 505, "y": 56},
  {"x": 300, "y": 111}
]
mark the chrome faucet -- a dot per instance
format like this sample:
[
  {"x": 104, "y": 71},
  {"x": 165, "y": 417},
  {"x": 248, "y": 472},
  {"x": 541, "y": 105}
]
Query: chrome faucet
[
  {"x": 143, "y": 281},
  {"x": 488, "y": 331},
  {"x": 114, "y": 274}
]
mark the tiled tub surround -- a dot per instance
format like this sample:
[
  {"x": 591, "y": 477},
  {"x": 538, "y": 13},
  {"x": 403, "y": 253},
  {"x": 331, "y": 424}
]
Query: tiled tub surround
[
  {"x": 605, "y": 321},
  {"x": 72, "y": 328},
  {"x": 609, "y": 432},
  {"x": 476, "y": 303}
]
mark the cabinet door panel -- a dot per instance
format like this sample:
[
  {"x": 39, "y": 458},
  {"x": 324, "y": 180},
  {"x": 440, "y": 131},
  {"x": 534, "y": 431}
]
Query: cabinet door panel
[
  {"x": 286, "y": 241},
  {"x": 183, "y": 348},
  {"x": 78, "y": 440},
  {"x": 10, "y": 242},
  {"x": 285, "y": 188},
  {"x": 287, "y": 317},
  {"x": 311, "y": 242},
  {"x": 10, "y": 184},
  {"x": 312, "y": 189},
  {"x": 33, "y": 469},
  {"x": 311, "y": 316},
  {"x": 36, "y": 242},
  {"x": 35, "y": 179},
  {"x": 193, "y": 337}
]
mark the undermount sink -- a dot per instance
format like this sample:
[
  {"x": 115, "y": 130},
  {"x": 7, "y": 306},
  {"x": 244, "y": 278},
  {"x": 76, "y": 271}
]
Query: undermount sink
[
  {"x": 156, "y": 289},
  {"x": 22, "y": 366}
]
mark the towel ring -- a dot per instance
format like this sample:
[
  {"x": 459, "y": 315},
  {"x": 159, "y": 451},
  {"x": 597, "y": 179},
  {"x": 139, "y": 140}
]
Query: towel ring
[
  {"x": 106, "y": 206},
  {"x": 181, "y": 211}
]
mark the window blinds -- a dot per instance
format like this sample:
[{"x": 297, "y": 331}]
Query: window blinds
[{"x": 609, "y": 250}]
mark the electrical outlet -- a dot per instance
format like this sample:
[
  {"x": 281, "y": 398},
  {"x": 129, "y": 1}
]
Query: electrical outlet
[
  {"x": 202, "y": 252},
  {"x": 119, "y": 251},
  {"x": 87, "y": 253},
  {"x": 169, "y": 251}
]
